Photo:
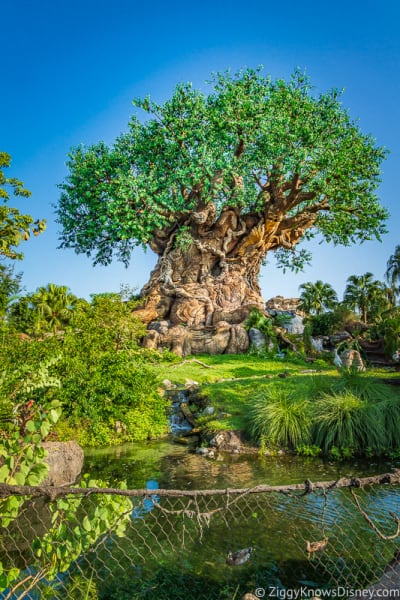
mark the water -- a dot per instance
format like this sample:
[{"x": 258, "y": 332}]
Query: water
[
  {"x": 174, "y": 548},
  {"x": 177, "y": 467},
  {"x": 275, "y": 526}
]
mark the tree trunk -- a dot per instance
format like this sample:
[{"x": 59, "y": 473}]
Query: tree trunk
[{"x": 198, "y": 296}]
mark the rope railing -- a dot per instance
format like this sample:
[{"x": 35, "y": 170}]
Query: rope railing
[{"x": 284, "y": 541}]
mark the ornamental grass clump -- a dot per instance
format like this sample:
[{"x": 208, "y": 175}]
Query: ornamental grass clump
[
  {"x": 345, "y": 420},
  {"x": 279, "y": 418}
]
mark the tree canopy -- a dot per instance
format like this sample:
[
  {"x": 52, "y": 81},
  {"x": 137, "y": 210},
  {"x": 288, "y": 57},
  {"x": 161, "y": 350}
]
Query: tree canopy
[
  {"x": 14, "y": 226},
  {"x": 275, "y": 151}
]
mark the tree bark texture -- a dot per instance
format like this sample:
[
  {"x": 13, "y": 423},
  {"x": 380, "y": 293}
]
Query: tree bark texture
[{"x": 199, "y": 295}]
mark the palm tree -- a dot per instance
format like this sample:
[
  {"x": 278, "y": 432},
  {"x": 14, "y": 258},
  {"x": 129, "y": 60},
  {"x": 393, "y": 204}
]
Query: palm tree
[
  {"x": 392, "y": 274},
  {"x": 317, "y": 297},
  {"x": 54, "y": 305},
  {"x": 365, "y": 294}
]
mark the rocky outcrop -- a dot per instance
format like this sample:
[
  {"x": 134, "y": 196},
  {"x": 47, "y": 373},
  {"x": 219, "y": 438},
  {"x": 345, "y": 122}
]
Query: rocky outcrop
[
  {"x": 281, "y": 304},
  {"x": 65, "y": 460},
  {"x": 223, "y": 338}
]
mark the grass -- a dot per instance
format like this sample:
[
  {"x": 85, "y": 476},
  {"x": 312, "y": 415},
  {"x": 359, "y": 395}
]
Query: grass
[
  {"x": 280, "y": 418},
  {"x": 236, "y": 383}
]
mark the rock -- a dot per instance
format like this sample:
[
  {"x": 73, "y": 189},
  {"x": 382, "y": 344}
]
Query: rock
[
  {"x": 352, "y": 358},
  {"x": 295, "y": 325},
  {"x": 227, "y": 441},
  {"x": 160, "y": 326},
  {"x": 279, "y": 304},
  {"x": 317, "y": 343},
  {"x": 65, "y": 460},
  {"x": 238, "y": 340},
  {"x": 190, "y": 384},
  {"x": 168, "y": 384},
  {"x": 257, "y": 338},
  {"x": 340, "y": 336},
  {"x": 202, "y": 451},
  {"x": 208, "y": 411}
]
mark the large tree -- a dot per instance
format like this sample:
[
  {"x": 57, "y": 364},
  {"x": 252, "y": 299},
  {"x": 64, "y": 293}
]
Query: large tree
[{"x": 212, "y": 183}]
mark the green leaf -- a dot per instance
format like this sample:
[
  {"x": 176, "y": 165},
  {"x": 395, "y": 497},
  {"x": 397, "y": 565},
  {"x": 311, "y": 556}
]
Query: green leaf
[
  {"x": 4, "y": 473},
  {"x": 86, "y": 524},
  {"x": 31, "y": 426}
]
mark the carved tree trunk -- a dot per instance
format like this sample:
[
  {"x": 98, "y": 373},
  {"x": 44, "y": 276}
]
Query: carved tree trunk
[{"x": 198, "y": 296}]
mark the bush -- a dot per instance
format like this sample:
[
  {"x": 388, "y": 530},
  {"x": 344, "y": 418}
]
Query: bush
[{"x": 279, "y": 418}]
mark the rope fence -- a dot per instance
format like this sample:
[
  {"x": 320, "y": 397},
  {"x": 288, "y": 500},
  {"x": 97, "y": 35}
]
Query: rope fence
[{"x": 315, "y": 539}]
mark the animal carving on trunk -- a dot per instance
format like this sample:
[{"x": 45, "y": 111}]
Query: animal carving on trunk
[{"x": 212, "y": 184}]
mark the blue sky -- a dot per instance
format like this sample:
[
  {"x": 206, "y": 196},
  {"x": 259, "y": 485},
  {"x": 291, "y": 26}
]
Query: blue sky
[{"x": 71, "y": 68}]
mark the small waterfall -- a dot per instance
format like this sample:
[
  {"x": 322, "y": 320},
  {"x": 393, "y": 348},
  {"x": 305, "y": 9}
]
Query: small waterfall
[{"x": 177, "y": 420}]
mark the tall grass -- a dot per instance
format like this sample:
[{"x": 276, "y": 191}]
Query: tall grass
[
  {"x": 345, "y": 420},
  {"x": 279, "y": 418}
]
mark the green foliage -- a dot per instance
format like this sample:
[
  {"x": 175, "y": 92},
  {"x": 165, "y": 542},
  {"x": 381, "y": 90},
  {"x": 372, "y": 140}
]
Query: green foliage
[
  {"x": 53, "y": 306},
  {"x": 323, "y": 324},
  {"x": 14, "y": 226},
  {"x": 344, "y": 420},
  {"x": 307, "y": 450},
  {"x": 365, "y": 294},
  {"x": 10, "y": 286},
  {"x": 261, "y": 322},
  {"x": 245, "y": 144},
  {"x": 24, "y": 425},
  {"x": 109, "y": 385},
  {"x": 280, "y": 418},
  {"x": 76, "y": 525},
  {"x": 317, "y": 297},
  {"x": 392, "y": 274}
]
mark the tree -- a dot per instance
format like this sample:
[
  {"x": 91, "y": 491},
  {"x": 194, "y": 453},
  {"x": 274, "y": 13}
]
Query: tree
[
  {"x": 365, "y": 294},
  {"x": 10, "y": 286},
  {"x": 317, "y": 297},
  {"x": 54, "y": 305},
  {"x": 392, "y": 274},
  {"x": 14, "y": 226},
  {"x": 212, "y": 183}
]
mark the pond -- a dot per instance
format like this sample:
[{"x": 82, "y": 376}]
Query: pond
[
  {"x": 171, "y": 547},
  {"x": 175, "y": 466}
]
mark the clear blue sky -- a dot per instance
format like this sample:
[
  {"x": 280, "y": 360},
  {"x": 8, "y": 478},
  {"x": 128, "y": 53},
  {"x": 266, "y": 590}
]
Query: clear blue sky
[{"x": 71, "y": 68}]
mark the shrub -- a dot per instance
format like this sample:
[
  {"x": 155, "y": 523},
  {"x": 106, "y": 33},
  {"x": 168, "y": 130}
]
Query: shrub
[
  {"x": 344, "y": 420},
  {"x": 281, "y": 419}
]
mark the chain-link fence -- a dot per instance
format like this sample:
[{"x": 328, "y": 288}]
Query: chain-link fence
[{"x": 335, "y": 538}]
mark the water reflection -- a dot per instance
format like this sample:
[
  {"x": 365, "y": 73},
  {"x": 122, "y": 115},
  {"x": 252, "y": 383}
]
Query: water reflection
[{"x": 176, "y": 467}]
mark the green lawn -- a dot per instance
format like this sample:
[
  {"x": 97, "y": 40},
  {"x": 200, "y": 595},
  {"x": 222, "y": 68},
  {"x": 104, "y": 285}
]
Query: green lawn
[{"x": 233, "y": 381}]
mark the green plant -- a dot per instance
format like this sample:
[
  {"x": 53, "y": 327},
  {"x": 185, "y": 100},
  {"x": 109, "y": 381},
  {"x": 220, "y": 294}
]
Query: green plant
[
  {"x": 260, "y": 321},
  {"x": 344, "y": 420},
  {"x": 76, "y": 525},
  {"x": 280, "y": 418},
  {"x": 308, "y": 450}
]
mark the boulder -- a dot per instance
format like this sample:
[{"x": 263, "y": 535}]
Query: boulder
[
  {"x": 227, "y": 441},
  {"x": 257, "y": 338},
  {"x": 352, "y": 358},
  {"x": 65, "y": 460},
  {"x": 295, "y": 325}
]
